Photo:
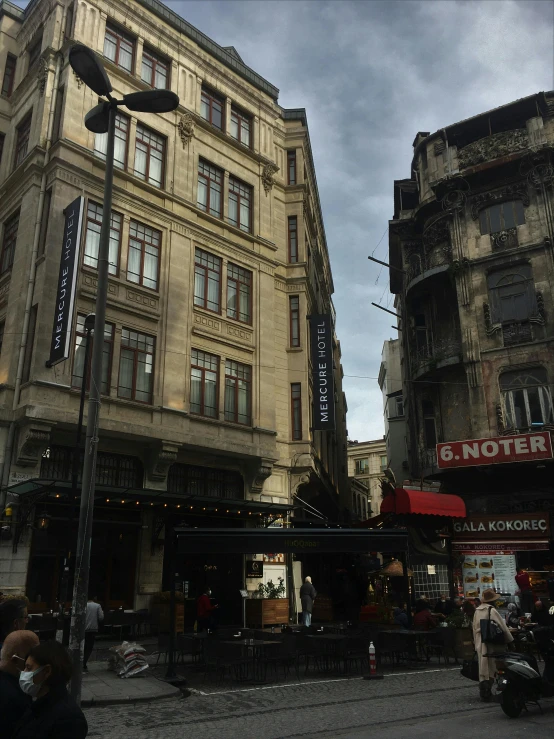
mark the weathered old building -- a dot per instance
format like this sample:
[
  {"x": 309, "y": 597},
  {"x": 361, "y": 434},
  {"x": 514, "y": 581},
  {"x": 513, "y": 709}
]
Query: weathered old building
[
  {"x": 472, "y": 269},
  {"x": 217, "y": 256}
]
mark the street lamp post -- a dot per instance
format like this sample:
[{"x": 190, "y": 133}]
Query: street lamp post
[{"x": 101, "y": 119}]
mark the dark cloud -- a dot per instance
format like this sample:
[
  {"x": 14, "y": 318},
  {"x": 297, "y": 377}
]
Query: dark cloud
[{"x": 371, "y": 75}]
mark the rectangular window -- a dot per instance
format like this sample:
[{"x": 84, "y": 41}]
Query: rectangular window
[
  {"x": 296, "y": 410},
  {"x": 291, "y": 167},
  {"x": 239, "y": 293},
  {"x": 294, "y": 313},
  {"x": 56, "y": 127},
  {"x": 384, "y": 463},
  {"x": 143, "y": 264},
  {"x": 155, "y": 70},
  {"x": 212, "y": 107},
  {"x": 28, "y": 358},
  {"x": 240, "y": 204},
  {"x": 8, "y": 243},
  {"x": 238, "y": 392},
  {"x": 136, "y": 366},
  {"x": 204, "y": 384},
  {"x": 119, "y": 47},
  {"x": 121, "y": 136},
  {"x": 399, "y": 406},
  {"x": 92, "y": 238},
  {"x": 44, "y": 219},
  {"x": 79, "y": 356},
  {"x": 210, "y": 181},
  {"x": 293, "y": 240},
  {"x": 22, "y": 141},
  {"x": 362, "y": 466},
  {"x": 149, "y": 156},
  {"x": 34, "y": 52},
  {"x": 9, "y": 75},
  {"x": 207, "y": 281},
  {"x": 241, "y": 126},
  {"x": 502, "y": 216}
]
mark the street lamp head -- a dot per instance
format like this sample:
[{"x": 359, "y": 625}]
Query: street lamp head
[
  {"x": 97, "y": 120},
  {"x": 89, "y": 68},
  {"x": 151, "y": 101}
]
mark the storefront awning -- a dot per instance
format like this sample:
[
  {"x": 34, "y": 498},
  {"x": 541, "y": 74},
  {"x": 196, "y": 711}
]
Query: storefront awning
[{"x": 406, "y": 501}]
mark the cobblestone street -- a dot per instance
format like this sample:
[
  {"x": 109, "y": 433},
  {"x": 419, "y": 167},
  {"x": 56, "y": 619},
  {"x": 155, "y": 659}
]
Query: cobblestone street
[{"x": 422, "y": 701}]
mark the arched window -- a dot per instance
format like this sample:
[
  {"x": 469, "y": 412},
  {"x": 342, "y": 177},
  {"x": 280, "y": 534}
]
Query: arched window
[
  {"x": 501, "y": 217},
  {"x": 512, "y": 294},
  {"x": 526, "y": 398}
]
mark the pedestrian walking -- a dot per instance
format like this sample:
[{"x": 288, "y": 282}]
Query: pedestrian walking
[
  {"x": 95, "y": 614},
  {"x": 307, "y": 596},
  {"x": 54, "y": 714},
  {"x": 526, "y": 599},
  {"x": 487, "y": 665},
  {"x": 13, "y": 616},
  {"x": 13, "y": 701}
]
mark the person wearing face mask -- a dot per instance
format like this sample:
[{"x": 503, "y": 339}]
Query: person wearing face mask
[
  {"x": 53, "y": 714},
  {"x": 13, "y": 701}
]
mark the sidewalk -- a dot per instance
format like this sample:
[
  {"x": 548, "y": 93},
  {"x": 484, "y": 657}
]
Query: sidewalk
[{"x": 102, "y": 687}]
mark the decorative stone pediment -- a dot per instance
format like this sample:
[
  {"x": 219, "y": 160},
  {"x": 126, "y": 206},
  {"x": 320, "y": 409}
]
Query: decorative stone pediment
[
  {"x": 513, "y": 191},
  {"x": 33, "y": 439},
  {"x": 493, "y": 147},
  {"x": 186, "y": 129},
  {"x": 160, "y": 460}
]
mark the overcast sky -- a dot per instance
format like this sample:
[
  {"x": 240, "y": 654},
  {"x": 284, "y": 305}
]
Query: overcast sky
[{"x": 371, "y": 75}]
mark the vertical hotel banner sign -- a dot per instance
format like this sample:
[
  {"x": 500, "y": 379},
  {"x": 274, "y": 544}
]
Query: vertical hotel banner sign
[
  {"x": 67, "y": 280},
  {"x": 323, "y": 385}
]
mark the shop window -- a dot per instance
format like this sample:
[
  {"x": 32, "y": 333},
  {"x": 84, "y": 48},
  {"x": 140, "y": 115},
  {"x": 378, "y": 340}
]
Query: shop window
[
  {"x": 114, "y": 470},
  {"x": 79, "y": 356},
  {"x": 212, "y": 483},
  {"x": 429, "y": 425},
  {"x": 527, "y": 399},
  {"x": 362, "y": 466}
]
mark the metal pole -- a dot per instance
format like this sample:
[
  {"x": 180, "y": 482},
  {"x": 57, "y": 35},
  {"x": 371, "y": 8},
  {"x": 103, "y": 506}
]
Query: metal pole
[
  {"x": 170, "y": 538},
  {"x": 82, "y": 558}
]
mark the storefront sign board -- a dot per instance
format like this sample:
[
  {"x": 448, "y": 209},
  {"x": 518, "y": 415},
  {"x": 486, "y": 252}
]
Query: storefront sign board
[
  {"x": 254, "y": 568},
  {"x": 503, "y": 526},
  {"x": 498, "y": 450},
  {"x": 481, "y": 572}
]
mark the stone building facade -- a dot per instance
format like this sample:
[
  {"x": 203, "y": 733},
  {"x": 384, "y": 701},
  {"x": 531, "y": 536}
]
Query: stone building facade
[
  {"x": 472, "y": 269},
  {"x": 367, "y": 460},
  {"x": 390, "y": 383},
  {"x": 218, "y": 254}
]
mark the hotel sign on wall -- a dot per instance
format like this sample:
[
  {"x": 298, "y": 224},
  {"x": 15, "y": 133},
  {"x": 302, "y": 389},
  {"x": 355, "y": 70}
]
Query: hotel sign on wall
[
  {"x": 498, "y": 450},
  {"x": 323, "y": 383}
]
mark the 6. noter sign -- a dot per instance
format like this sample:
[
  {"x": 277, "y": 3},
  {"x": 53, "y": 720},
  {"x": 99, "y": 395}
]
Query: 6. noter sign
[{"x": 498, "y": 450}]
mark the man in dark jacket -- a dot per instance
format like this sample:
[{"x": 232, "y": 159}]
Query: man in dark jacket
[
  {"x": 307, "y": 596},
  {"x": 13, "y": 701}
]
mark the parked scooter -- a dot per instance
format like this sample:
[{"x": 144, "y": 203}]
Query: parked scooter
[{"x": 519, "y": 680}]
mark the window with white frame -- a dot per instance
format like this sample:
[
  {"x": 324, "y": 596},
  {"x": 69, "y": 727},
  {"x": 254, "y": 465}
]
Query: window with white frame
[{"x": 527, "y": 399}]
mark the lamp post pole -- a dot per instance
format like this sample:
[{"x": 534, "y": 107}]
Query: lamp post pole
[{"x": 82, "y": 555}]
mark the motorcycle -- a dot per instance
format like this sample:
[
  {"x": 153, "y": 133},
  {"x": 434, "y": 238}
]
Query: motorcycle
[{"x": 519, "y": 680}]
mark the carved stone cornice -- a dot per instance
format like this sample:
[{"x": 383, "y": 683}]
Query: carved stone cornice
[
  {"x": 186, "y": 129},
  {"x": 261, "y": 473},
  {"x": 513, "y": 191},
  {"x": 160, "y": 460},
  {"x": 493, "y": 147},
  {"x": 32, "y": 443}
]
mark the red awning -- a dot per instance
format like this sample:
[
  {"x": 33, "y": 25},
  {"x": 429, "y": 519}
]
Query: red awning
[{"x": 428, "y": 504}]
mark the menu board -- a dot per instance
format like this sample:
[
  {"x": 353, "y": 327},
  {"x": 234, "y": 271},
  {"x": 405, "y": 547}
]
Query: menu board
[{"x": 495, "y": 571}]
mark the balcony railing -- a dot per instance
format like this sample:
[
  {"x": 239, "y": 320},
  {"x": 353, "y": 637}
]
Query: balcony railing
[{"x": 435, "y": 352}]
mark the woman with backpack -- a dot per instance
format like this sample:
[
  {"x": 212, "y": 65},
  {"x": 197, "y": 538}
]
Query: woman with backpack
[{"x": 490, "y": 635}]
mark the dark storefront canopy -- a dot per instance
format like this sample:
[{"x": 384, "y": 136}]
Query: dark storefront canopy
[
  {"x": 406, "y": 501},
  {"x": 253, "y": 541}
]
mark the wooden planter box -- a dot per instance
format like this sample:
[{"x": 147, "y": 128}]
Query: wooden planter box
[
  {"x": 267, "y": 611},
  {"x": 160, "y": 617},
  {"x": 464, "y": 643}
]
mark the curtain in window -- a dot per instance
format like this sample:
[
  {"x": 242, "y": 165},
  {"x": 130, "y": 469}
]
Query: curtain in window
[
  {"x": 210, "y": 394},
  {"x": 202, "y": 196},
  {"x": 143, "y": 390},
  {"x": 150, "y": 278},
  {"x": 213, "y": 292},
  {"x": 199, "y": 296},
  {"x": 126, "y": 373},
  {"x": 133, "y": 262},
  {"x": 141, "y": 155}
]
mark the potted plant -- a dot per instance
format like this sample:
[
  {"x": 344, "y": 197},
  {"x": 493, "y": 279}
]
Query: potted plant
[{"x": 270, "y": 607}]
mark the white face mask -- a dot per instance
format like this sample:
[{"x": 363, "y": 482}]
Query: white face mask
[{"x": 27, "y": 685}]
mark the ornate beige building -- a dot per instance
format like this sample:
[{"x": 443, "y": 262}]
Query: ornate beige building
[
  {"x": 367, "y": 460},
  {"x": 217, "y": 256}
]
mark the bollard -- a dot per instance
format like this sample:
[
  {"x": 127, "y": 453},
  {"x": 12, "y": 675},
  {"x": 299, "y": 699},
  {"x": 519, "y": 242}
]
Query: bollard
[{"x": 373, "y": 675}]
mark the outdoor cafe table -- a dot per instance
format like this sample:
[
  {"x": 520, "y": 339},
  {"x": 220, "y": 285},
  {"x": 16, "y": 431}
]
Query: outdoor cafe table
[
  {"x": 415, "y": 640},
  {"x": 255, "y": 649},
  {"x": 330, "y": 644}
]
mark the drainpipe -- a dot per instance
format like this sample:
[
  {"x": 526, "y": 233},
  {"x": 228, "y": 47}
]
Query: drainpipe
[{"x": 5, "y": 465}]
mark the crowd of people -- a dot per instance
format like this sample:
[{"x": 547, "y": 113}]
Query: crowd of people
[{"x": 34, "y": 701}]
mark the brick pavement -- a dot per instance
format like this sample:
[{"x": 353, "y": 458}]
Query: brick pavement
[{"x": 295, "y": 710}]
